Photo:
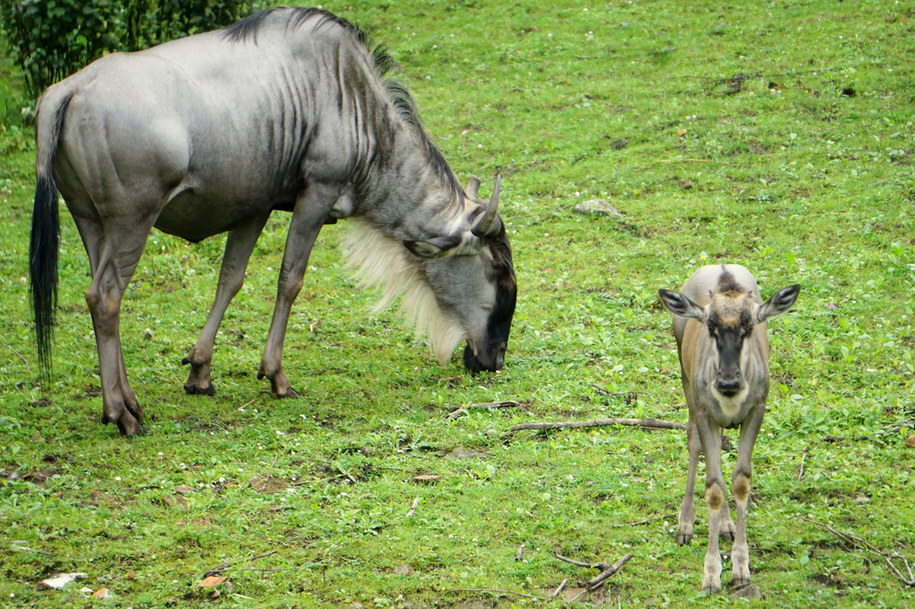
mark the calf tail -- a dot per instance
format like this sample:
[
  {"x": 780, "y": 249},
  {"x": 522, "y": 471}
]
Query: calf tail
[{"x": 46, "y": 227}]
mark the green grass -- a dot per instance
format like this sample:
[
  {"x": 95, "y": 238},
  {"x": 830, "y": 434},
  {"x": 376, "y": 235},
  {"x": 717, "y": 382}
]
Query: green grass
[{"x": 740, "y": 146}]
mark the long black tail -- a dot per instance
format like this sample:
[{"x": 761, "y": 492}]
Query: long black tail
[
  {"x": 46, "y": 226},
  {"x": 43, "y": 269}
]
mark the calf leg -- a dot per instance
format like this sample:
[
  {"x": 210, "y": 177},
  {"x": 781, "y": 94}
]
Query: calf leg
[
  {"x": 308, "y": 217},
  {"x": 740, "y": 485},
  {"x": 714, "y": 500},
  {"x": 688, "y": 507},
  {"x": 239, "y": 245}
]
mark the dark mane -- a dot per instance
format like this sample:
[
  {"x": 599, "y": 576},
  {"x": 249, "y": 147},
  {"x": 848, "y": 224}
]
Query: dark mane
[{"x": 384, "y": 64}]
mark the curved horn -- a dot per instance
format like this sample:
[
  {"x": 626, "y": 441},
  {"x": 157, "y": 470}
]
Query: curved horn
[{"x": 486, "y": 220}]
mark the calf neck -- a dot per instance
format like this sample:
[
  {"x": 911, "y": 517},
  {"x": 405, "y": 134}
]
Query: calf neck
[{"x": 720, "y": 327}]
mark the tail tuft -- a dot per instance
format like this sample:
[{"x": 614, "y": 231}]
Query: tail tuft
[{"x": 43, "y": 269}]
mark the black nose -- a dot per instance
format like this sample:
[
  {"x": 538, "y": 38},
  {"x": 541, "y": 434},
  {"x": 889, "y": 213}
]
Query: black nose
[
  {"x": 491, "y": 359},
  {"x": 728, "y": 387}
]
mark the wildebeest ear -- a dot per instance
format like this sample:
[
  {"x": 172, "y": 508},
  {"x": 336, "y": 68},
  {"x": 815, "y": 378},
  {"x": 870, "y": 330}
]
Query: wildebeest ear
[
  {"x": 779, "y": 303},
  {"x": 473, "y": 187},
  {"x": 433, "y": 248},
  {"x": 681, "y": 306}
]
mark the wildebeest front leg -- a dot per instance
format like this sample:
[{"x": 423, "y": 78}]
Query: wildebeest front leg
[
  {"x": 308, "y": 217},
  {"x": 239, "y": 245},
  {"x": 740, "y": 486}
]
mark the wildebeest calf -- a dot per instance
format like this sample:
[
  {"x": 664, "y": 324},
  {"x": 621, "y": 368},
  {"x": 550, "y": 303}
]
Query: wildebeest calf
[{"x": 720, "y": 326}]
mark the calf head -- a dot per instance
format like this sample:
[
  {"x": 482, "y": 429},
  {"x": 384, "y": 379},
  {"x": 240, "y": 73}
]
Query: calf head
[{"x": 730, "y": 317}]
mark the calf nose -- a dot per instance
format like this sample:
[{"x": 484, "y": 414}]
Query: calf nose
[{"x": 728, "y": 386}]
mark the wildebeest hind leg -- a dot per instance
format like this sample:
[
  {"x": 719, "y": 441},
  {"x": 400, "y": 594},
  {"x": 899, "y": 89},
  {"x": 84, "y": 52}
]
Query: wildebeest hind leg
[
  {"x": 239, "y": 244},
  {"x": 116, "y": 258}
]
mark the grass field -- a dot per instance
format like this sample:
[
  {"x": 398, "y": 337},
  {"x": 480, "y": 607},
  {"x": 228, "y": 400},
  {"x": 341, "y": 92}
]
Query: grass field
[{"x": 778, "y": 135}]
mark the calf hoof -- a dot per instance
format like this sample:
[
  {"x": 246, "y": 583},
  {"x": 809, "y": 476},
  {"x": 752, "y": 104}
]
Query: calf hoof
[
  {"x": 684, "y": 536},
  {"x": 712, "y": 587},
  {"x": 726, "y": 530}
]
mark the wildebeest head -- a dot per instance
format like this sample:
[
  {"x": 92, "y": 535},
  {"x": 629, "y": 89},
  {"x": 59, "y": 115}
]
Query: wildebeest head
[
  {"x": 730, "y": 318},
  {"x": 455, "y": 287}
]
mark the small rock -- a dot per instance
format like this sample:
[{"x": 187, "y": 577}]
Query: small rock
[
  {"x": 403, "y": 570},
  {"x": 597, "y": 206},
  {"x": 861, "y": 500},
  {"x": 749, "y": 591},
  {"x": 465, "y": 453},
  {"x": 60, "y": 580}
]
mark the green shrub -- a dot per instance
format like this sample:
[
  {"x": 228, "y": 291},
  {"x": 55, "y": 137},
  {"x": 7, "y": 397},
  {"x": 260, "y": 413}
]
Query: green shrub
[{"x": 51, "y": 39}]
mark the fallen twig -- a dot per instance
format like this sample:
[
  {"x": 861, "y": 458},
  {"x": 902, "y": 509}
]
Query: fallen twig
[
  {"x": 641, "y": 522},
  {"x": 800, "y": 472},
  {"x": 413, "y": 507},
  {"x": 482, "y": 406},
  {"x": 578, "y": 563},
  {"x": 907, "y": 579},
  {"x": 226, "y": 566},
  {"x": 888, "y": 430},
  {"x": 596, "y": 582},
  {"x": 561, "y": 587},
  {"x": 503, "y": 593},
  {"x": 606, "y": 572},
  {"x": 649, "y": 422}
]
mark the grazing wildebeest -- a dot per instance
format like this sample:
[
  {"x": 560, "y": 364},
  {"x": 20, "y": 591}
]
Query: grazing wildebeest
[
  {"x": 286, "y": 110},
  {"x": 720, "y": 326}
]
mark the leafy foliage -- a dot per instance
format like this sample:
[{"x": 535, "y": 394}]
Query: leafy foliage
[{"x": 53, "y": 38}]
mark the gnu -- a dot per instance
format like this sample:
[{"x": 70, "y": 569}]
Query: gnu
[
  {"x": 286, "y": 110},
  {"x": 720, "y": 327}
]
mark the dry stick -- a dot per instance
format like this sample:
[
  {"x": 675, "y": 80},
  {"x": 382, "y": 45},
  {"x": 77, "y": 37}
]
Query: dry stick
[
  {"x": 561, "y": 587},
  {"x": 226, "y": 566},
  {"x": 600, "y": 423},
  {"x": 596, "y": 582},
  {"x": 413, "y": 507},
  {"x": 594, "y": 565},
  {"x": 502, "y": 592},
  {"x": 641, "y": 522},
  {"x": 800, "y": 473},
  {"x": 482, "y": 406},
  {"x": 857, "y": 541}
]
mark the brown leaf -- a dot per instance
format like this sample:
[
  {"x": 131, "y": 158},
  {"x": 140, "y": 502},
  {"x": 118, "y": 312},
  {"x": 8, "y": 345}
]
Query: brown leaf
[
  {"x": 267, "y": 485},
  {"x": 175, "y": 502},
  {"x": 184, "y": 489},
  {"x": 212, "y": 581},
  {"x": 910, "y": 441},
  {"x": 102, "y": 593},
  {"x": 427, "y": 478}
]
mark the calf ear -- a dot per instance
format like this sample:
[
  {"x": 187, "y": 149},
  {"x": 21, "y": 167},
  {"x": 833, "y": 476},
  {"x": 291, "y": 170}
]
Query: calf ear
[
  {"x": 433, "y": 248},
  {"x": 681, "y": 306},
  {"x": 779, "y": 303}
]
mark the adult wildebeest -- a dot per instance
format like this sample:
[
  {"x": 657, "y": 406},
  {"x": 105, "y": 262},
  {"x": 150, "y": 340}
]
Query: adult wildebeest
[
  {"x": 286, "y": 110},
  {"x": 720, "y": 326}
]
